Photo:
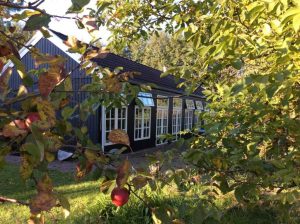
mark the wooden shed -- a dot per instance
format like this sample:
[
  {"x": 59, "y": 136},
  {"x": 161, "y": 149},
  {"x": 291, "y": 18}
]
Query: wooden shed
[{"x": 166, "y": 108}]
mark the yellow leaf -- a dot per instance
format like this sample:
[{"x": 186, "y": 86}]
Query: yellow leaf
[
  {"x": 48, "y": 59},
  {"x": 296, "y": 22}
]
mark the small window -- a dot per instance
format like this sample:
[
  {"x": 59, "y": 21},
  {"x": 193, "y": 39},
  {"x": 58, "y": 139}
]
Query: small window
[
  {"x": 162, "y": 101},
  {"x": 177, "y": 103},
  {"x": 146, "y": 99},
  {"x": 199, "y": 105},
  {"x": 190, "y": 104},
  {"x": 142, "y": 123}
]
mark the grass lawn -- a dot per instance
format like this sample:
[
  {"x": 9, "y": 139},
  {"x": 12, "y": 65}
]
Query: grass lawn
[{"x": 88, "y": 205}]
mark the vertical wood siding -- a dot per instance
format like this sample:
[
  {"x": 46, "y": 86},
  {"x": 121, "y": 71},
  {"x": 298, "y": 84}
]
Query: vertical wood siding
[{"x": 78, "y": 79}]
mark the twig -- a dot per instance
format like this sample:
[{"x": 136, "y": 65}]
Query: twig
[
  {"x": 11, "y": 200},
  {"x": 136, "y": 195},
  {"x": 33, "y": 7}
]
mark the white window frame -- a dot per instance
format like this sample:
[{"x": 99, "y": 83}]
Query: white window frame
[
  {"x": 197, "y": 121},
  {"x": 188, "y": 119},
  {"x": 143, "y": 123},
  {"x": 146, "y": 99},
  {"x": 199, "y": 105},
  {"x": 176, "y": 118},
  {"x": 190, "y": 104},
  {"x": 176, "y": 122},
  {"x": 116, "y": 120},
  {"x": 164, "y": 110}
]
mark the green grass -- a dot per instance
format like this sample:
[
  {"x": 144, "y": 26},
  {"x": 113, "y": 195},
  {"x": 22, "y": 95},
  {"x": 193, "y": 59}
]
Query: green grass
[{"x": 88, "y": 205}]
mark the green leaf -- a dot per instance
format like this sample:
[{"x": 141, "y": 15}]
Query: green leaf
[
  {"x": 77, "y": 5},
  {"x": 271, "y": 90},
  {"x": 139, "y": 181},
  {"x": 162, "y": 215},
  {"x": 224, "y": 187},
  {"x": 4, "y": 150},
  {"x": 237, "y": 64},
  {"x": 68, "y": 84},
  {"x": 36, "y": 22},
  {"x": 27, "y": 80},
  {"x": 107, "y": 186},
  {"x": 64, "y": 202},
  {"x": 32, "y": 149},
  {"x": 67, "y": 112},
  {"x": 237, "y": 88},
  {"x": 39, "y": 140}
]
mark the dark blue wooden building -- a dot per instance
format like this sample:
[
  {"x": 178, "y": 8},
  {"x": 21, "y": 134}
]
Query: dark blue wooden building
[{"x": 166, "y": 109}]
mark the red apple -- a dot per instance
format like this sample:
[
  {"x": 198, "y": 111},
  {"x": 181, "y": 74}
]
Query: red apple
[
  {"x": 119, "y": 196},
  {"x": 31, "y": 118},
  {"x": 20, "y": 124}
]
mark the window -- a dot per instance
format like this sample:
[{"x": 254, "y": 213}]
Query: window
[
  {"x": 188, "y": 119},
  {"x": 199, "y": 105},
  {"x": 161, "y": 118},
  {"x": 142, "y": 123},
  {"x": 115, "y": 118},
  {"x": 176, "y": 117},
  {"x": 146, "y": 99},
  {"x": 196, "y": 118},
  {"x": 190, "y": 104},
  {"x": 177, "y": 103}
]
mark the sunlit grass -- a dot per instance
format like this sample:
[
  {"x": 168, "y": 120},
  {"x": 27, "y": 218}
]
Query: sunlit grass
[{"x": 88, "y": 205}]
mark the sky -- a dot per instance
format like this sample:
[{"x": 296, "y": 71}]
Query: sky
[{"x": 67, "y": 26}]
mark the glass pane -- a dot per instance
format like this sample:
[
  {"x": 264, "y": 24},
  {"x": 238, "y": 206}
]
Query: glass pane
[
  {"x": 190, "y": 104},
  {"x": 146, "y": 99}
]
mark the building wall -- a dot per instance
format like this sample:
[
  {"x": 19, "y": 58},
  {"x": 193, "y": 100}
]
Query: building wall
[
  {"x": 93, "y": 123},
  {"x": 78, "y": 79}
]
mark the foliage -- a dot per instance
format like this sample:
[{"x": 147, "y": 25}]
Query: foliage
[
  {"x": 248, "y": 60},
  {"x": 88, "y": 206},
  {"x": 36, "y": 119},
  {"x": 160, "y": 51}
]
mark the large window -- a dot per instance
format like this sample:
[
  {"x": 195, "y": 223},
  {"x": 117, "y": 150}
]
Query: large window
[
  {"x": 142, "y": 123},
  {"x": 115, "y": 118},
  {"x": 176, "y": 117},
  {"x": 161, "y": 118},
  {"x": 188, "y": 119},
  {"x": 189, "y": 114},
  {"x": 197, "y": 121}
]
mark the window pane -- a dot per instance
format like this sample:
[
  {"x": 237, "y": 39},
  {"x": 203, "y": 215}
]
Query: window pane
[
  {"x": 190, "y": 104},
  {"x": 146, "y": 99}
]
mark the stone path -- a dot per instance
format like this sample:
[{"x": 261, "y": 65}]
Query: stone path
[{"x": 138, "y": 159}]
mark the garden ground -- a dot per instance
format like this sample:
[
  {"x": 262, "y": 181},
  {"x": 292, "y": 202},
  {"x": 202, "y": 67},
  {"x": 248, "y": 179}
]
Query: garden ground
[{"x": 88, "y": 205}]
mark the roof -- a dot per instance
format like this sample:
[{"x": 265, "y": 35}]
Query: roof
[
  {"x": 112, "y": 61},
  {"x": 147, "y": 74}
]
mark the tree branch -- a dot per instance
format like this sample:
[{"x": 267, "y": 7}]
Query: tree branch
[
  {"x": 11, "y": 200},
  {"x": 32, "y": 6}
]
